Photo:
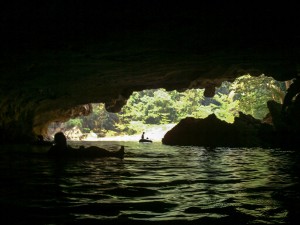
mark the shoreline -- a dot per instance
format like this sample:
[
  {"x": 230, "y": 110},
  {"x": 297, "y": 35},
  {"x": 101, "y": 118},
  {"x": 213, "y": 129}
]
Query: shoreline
[
  {"x": 155, "y": 134},
  {"x": 120, "y": 138}
]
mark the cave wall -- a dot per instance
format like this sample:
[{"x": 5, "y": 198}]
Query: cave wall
[{"x": 56, "y": 58}]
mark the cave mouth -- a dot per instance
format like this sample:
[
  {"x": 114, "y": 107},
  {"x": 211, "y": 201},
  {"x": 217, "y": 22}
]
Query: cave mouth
[{"x": 156, "y": 110}]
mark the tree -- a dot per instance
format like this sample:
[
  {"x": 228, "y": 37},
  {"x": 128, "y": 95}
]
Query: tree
[{"x": 254, "y": 92}]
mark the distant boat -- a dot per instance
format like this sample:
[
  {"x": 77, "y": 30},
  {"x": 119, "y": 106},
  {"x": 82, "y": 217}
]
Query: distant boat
[{"x": 145, "y": 140}]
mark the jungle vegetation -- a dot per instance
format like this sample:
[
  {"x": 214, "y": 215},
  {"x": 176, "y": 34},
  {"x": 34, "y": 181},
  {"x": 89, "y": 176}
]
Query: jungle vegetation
[{"x": 156, "y": 107}]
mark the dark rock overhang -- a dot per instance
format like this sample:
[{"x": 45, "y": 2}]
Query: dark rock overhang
[{"x": 57, "y": 57}]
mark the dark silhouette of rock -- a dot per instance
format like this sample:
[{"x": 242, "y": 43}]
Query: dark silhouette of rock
[
  {"x": 246, "y": 131},
  {"x": 286, "y": 122}
]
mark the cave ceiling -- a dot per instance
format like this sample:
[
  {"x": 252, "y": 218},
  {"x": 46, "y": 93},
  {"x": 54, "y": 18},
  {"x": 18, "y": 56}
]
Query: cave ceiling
[{"x": 59, "y": 55}]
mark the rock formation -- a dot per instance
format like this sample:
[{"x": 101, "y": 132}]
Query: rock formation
[
  {"x": 278, "y": 130},
  {"x": 57, "y": 57},
  {"x": 213, "y": 132}
]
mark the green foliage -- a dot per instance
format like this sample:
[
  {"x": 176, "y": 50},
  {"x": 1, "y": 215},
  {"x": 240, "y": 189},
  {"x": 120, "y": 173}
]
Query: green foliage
[
  {"x": 228, "y": 109},
  {"x": 254, "y": 92},
  {"x": 150, "y": 106},
  {"x": 77, "y": 122},
  {"x": 189, "y": 104}
]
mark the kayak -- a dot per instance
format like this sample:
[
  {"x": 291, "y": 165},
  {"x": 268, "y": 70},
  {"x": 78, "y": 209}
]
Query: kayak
[{"x": 145, "y": 140}]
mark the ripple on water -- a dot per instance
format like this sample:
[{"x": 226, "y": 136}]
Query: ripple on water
[{"x": 154, "y": 182}]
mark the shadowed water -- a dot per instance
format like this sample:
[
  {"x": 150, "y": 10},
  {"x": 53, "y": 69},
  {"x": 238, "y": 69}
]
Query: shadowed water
[{"x": 154, "y": 183}]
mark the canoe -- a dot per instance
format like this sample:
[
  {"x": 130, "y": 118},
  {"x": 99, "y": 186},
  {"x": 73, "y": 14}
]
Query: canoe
[{"x": 145, "y": 140}]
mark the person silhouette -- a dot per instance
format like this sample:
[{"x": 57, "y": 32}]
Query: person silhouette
[
  {"x": 60, "y": 147},
  {"x": 143, "y": 135}
]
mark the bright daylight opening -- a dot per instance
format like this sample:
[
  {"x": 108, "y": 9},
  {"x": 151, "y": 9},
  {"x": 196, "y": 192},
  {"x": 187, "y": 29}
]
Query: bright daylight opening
[{"x": 157, "y": 111}]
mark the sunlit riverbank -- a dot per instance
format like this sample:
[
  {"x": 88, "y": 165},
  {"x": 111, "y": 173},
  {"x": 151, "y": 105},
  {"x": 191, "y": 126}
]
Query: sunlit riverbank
[{"x": 154, "y": 133}]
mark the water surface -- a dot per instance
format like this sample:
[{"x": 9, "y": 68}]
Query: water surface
[{"x": 154, "y": 183}]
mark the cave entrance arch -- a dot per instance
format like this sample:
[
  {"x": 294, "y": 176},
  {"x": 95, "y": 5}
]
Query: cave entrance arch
[{"x": 158, "y": 110}]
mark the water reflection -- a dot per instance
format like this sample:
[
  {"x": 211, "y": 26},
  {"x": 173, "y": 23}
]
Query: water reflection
[{"x": 153, "y": 183}]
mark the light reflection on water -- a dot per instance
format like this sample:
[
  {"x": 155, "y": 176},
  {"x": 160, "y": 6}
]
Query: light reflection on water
[{"x": 154, "y": 182}]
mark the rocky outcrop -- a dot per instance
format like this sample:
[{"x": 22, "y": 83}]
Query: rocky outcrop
[
  {"x": 277, "y": 130},
  {"x": 286, "y": 123},
  {"x": 213, "y": 132},
  {"x": 57, "y": 57}
]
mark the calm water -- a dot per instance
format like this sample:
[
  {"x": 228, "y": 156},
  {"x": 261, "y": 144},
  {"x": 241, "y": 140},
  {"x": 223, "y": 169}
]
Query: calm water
[{"x": 154, "y": 184}]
